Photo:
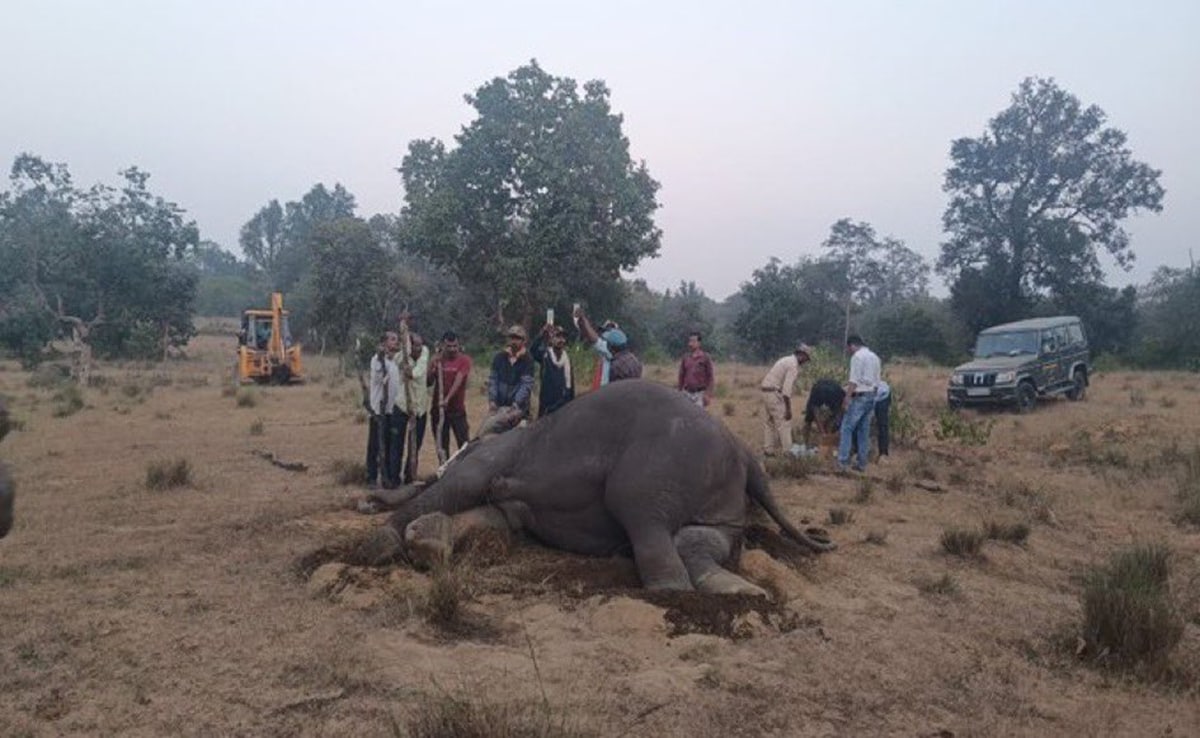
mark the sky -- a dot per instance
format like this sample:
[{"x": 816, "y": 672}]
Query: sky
[{"x": 764, "y": 122}]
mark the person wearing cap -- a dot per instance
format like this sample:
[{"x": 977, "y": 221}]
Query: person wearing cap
[
  {"x": 857, "y": 408},
  {"x": 617, "y": 362},
  {"x": 510, "y": 385},
  {"x": 777, "y": 400},
  {"x": 557, "y": 378}
]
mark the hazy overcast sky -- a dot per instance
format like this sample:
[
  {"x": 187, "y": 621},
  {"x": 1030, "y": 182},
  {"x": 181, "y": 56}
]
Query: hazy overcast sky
[{"x": 765, "y": 122}]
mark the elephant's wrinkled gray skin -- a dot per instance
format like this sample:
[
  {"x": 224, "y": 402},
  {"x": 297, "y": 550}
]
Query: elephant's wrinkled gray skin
[
  {"x": 7, "y": 486},
  {"x": 634, "y": 465}
]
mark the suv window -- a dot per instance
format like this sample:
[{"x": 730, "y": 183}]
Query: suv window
[
  {"x": 1075, "y": 334},
  {"x": 1049, "y": 345},
  {"x": 1060, "y": 337}
]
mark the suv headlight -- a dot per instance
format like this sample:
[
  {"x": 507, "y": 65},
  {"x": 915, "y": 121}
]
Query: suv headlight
[
  {"x": 1005, "y": 377},
  {"x": 956, "y": 379}
]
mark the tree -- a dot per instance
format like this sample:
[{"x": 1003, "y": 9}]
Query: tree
[
  {"x": 1036, "y": 197},
  {"x": 873, "y": 271},
  {"x": 105, "y": 264},
  {"x": 686, "y": 310},
  {"x": 539, "y": 203},
  {"x": 349, "y": 274},
  {"x": 1169, "y": 320},
  {"x": 276, "y": 238},
  {"x": 786, "y": 304}
]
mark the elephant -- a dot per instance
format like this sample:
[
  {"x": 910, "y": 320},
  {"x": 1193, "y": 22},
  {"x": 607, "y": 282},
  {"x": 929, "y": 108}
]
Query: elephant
[
  {"x": 8, "y": 491},
  {"x": 632, "y": 467}
]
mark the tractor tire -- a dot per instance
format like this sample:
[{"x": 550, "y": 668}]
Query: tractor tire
[{"x": 281, "y": 374}]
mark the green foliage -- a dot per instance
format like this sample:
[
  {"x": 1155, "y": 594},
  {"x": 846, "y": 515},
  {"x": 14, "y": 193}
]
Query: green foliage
[
  {"x": 1129, "y": 617},
  {"x": 1168, "y": 326},
  {"x": 923, "y": 327},
  {"x": 168, "y": 474},
  {"x": 904, "y": 425},
  {"x": 1034, "y": 199},
  {"x": 873, "y": 270},
  {"x": 277, "y": 239},
  {"x": 348, "y": 278},
  {"x": 539, "y": 203},
  {"x": 787, "y": 304},
  {"x": 956, "y": 426}
]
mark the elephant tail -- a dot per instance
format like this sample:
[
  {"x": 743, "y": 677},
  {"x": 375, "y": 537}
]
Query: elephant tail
[{"x": 759, "y": 490}]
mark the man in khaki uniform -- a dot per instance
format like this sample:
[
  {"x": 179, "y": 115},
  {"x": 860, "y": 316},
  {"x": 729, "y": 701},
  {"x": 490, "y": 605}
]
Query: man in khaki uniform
[{"x": 777, "y": 400}]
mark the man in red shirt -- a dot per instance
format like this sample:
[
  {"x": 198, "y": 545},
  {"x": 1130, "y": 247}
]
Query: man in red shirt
[
  {"x": 697, "y": 377},
  {"x": 450, "y": 372}
]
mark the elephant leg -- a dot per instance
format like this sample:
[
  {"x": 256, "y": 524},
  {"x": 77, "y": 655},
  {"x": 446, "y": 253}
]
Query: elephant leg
[
  {"x": 7, "y": 495},
  {"x": 703, "y": 550},
  {"x": 430, "y": 539},
  {"x": 658, "y": 563}
]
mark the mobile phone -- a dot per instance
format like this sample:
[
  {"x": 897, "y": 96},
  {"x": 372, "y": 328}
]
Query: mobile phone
[{"x": 549, "y": 316}]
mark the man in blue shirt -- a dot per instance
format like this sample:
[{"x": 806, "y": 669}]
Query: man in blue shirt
[{"x": 510, "y": 385}]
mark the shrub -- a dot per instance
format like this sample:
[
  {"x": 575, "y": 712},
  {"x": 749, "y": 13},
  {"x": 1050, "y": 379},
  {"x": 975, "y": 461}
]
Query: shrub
[
  {"x": 443, "y": 604},
  {"x": 840, "y": 516},
  {"x": 1012, "y": 532},
  {"x": 257, "y": 427},
  {"x": 1129, "y": 617},
  {"x": 962, "y": 542},
  {"x": 164, "y": 474},
  {"x": 956, "y": 426},
  {"x": 904, "y": 426}
]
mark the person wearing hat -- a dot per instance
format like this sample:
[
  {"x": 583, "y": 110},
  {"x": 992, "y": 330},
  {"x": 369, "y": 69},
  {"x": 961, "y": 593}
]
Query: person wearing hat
[
  {"x": 777, "y": 400},
  {"x": 617, "y": 361},
  {"x": 557, "y": 377},
  {"x": 510, "y": 385}
]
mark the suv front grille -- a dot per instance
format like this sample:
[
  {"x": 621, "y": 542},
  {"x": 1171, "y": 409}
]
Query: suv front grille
[{"x": 979, "y": 379}]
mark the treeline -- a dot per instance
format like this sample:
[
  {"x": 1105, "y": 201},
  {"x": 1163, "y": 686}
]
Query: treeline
[{"x": 537, "y": 203}]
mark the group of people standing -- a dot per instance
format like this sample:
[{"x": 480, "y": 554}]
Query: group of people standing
[{"x": 849, "y": 407}]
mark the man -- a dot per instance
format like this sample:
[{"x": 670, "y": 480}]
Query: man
[
  {"x": 381, "y": 390},
  {"x": 824, "y": 408},
  {"x": 617, "y": 362},
  {"x": 777, "y": 400},
  {"x": 883, "y": 407},
  {"x": 412, "y": 406},
  {"x": 859, "y": 403},
  {"x": 449, "y": 376},
  {"x": 697, "y": 377},
  {"x": 557, "y": 376},
  {"x": 510, "y": 385}
]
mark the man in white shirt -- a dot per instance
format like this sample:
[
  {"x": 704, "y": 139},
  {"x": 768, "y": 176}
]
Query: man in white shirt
[
  {"x": 777, "y": 400},
  {"x": 383, "y": 454},
  {"x": 414, "y": 386},
  {"x": 859, "y": 405}
]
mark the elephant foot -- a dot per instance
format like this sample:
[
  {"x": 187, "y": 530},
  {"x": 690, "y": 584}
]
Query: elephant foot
[
  {"x": 429, "y": 540},
  {"x": 7, "y": 495},
  {"x": 721, "y": 581},
  {"x": 390, "y": 499},
  {"x": 382, "y": 547}
]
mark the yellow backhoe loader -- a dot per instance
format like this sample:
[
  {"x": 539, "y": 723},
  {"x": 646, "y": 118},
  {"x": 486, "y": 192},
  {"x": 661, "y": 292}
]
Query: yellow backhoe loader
[{"x": 266, "y": 351}]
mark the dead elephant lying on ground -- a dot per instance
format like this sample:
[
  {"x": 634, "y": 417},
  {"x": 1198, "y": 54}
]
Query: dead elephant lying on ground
[{"x": 633, "y": 466}]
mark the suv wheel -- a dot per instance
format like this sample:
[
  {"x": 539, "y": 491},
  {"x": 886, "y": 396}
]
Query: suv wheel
[
  {"x": 1078, "y": 386},
  {"x": 1026, "y": 397}
]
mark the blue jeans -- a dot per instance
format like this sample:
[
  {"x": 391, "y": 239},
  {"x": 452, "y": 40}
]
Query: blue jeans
[{"x": 856, "y": 430}]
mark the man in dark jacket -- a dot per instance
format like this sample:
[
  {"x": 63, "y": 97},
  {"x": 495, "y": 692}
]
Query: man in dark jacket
[
  {"x": 824, "y": 407},
  {"x": 510, "y": 385},
  {"x": 557, "y": 376}
]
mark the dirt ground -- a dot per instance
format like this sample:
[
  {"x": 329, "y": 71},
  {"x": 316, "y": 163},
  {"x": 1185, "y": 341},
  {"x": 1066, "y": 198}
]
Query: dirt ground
[{"x": 222, "y": 607}]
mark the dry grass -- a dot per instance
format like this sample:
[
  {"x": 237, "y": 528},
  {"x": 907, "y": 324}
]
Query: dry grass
[
  {"x": 945, "y": 585},
  {"x": 346, "y": 472},
  {"x": 1017, "y": 533},
  {"x": 477, "y": 715},
  {"x": 962, "y": 542},
  {"x": 840, "y": 516},
  {"x": 168, "y": 474}
]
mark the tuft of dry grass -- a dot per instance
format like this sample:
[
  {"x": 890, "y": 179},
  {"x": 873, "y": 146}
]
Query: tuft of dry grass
[
  {"x": 962, "y": 542},
  {"x": 168, "y": 474},
  {"x": 729, "y": 408},
  {"x": 876, "y": 537},
  {"x": 257, "y": 428},
  {"x": 447, "y": 591},
  {"x": 1129, "y": 616},
  {"x": 921, "y": 466},
  {"x": 476, "y": 716},
  {"x": 865, "y": 491},
  {"x": 346, "y": 472},
  {"x": 840, "y": 516},
  {"x": 247, "y": 397},
  {"x": 895, "y": 482},
  {"x": 68, "y": 400},
  {"x": 1017, "y": 533},
  {"x": 786, "y": 465},
  {"x": 945, "y": 585}
]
